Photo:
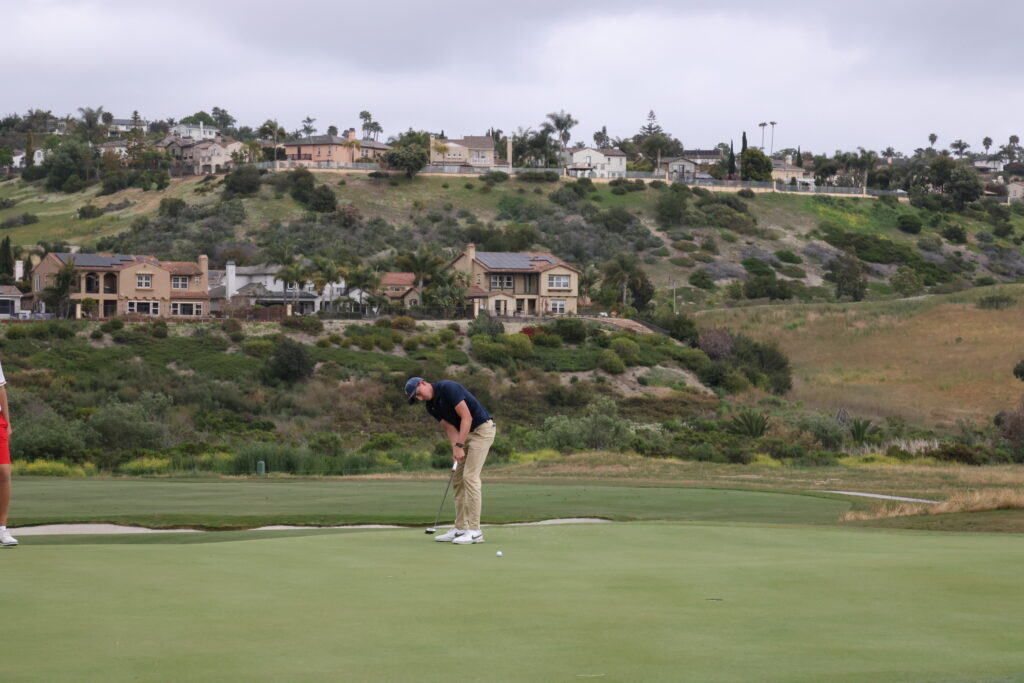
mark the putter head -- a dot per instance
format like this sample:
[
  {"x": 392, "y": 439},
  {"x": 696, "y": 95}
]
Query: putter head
[{"x": 430, "y": 530}]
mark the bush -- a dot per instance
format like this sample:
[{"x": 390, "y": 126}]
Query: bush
[
  {"x": 89, "y": 211},
  {"x": 538, "y": 176},
  {"x": 955, "y": 234},
  {"x": 571, "y": 330},
  {"x": 403, "y": 322},
  {"x": 909, "y": 223},
  {"x": 289, "y": 362},
  {"x": 627, "y": 349},
  {"x": 996, "y": 302},
  {"x": 610, "y": 362},
  {"x": 485, "y": 324},
  {"x": 787, "y": 256},
  {"x": 147, "y": 465},
  {"x": 825, "y": 430},
  {"x": 307, "y": 324},
  {"x": 746, "y": 193}
]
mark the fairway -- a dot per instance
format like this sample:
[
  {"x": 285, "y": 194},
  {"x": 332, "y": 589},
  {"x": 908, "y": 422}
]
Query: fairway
[
  {"x": 620, "y": 602},
  {"x": 249, "y": 503}
]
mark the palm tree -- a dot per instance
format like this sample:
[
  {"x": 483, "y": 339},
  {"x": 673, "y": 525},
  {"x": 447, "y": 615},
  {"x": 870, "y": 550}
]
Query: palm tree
[
  {"x": 294, "y": 273},
  {"x": 253, "y": 149},
  {"x": 986, "y": 143},
  {"x": 363, "y": 278},
  {"x": 622, "y": 270},
  {"x": 771, "y": 150},
  {"x": 562, "y": 122},
  {"x": 59, "y": 291},
  {"x": 352, "y": 145},
  {"x": 91, "y": 124},
  {"x": 588, "y": 281},
  {"x": 932, "y": 138},
  {"x": 375, "y": 129},
  {"x": 326, "y": 273},
  {"x": 307, "y": 126},
  {"x": 762, "y": 127},
  {"x": 271, "y": 129},
  {"x": 424, "y": 263},
  {"x": 447, "y": 291},
  {"x": 959, "y": 146}
]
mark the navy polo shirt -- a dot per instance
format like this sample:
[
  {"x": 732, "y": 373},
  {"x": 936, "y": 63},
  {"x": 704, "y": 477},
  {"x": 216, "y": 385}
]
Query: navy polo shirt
[{"x": 447, "y": 395}]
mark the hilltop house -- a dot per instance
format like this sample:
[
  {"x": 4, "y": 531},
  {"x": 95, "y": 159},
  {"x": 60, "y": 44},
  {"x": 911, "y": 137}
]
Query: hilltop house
[
  {"x": 249, "y": 286},
  {"x": 1014, "y": 192},
  {"x": 200, "y": 157},
  {"x": 519, "y": 283},
  {"x": 38, "y": 156},
  {"x": 704, "y": 157},
  {"x": 10, "y": 302},
  {"x": 472, "y": 150},
  {"x": 196, "y": 131},
  {"x": 129, "y": 285},
  {"x": 783, "y": 171},
  {"x": 593, "y": 162},
  {"x": 679, "y": 169},
  {"x": 119, "y": 127},
  {"x": 332, "y": 148},
  {"x": 400, "y": 289}
]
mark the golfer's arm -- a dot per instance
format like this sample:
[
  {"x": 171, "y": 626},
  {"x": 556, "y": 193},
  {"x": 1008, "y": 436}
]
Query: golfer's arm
[
  {"x": 450, "y": 431},
  {"x": 467, "y": 421}
]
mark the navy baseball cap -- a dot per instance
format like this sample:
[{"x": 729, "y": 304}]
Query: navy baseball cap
[{"x": 410, "y": 388}]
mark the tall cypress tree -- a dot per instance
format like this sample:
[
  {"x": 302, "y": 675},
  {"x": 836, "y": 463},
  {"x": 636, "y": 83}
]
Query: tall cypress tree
[
  {"x": 732, "y": 160},
  {"x": 743, "y": 145},
  {"x": 799, "y": 161},
  {"x": 6, "y": 257}
]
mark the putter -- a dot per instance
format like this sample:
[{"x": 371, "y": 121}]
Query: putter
[{"x": 432, "y": 529}]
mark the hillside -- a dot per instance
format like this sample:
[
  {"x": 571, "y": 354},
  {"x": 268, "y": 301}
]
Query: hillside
[
  {"x": 930, "y": 360},
  {"x": 795, "y": 236}
]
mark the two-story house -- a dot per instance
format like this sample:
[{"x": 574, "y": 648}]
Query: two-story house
[
  {"x": 130, "y": 285},
  {"x": 519, "y": 283},
  {"x": 119, "y": 127},
  {"x": 202, "y": 157},
  {"x": 786, "y": 172},
  {"x": 239, "y": 287},
  {"x": 472, "y": 150},
  {"x": 400, "y": 289},
  {"x": 593, "y": 162},
  {"x": 196, "y": 131},
  {"x": 679, "y": 169},
  {"x": 345, "y": 149}
]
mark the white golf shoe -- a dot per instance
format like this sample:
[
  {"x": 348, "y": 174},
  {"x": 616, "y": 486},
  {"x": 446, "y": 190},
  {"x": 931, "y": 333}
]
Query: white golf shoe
[
  {"x": 449, "y": 536},
  {"x": 6, "y": 539},
  {"x": 468, "y": 537}
]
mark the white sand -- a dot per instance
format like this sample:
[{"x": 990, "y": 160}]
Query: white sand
[{"x": 67, "y": 529}]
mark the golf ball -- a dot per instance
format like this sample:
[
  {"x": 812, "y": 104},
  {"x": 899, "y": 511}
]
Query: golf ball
[{"x": 498, "y": 553}]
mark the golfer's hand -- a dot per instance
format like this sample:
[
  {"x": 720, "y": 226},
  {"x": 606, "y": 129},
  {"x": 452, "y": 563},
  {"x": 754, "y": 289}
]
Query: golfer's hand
[{"x": 458, "y": 453}]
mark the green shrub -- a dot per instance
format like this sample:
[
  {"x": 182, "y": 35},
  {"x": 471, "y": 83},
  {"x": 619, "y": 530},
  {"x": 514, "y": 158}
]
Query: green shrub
[
  {"x": 230, "y": 325},
  {"x": 304, "y": 323},
  {"x": 749, "y": 423},
  {"x": 627, "y": 349},
  {"x": 258, "y": 348},
  {"x": 89, "y": 211},
  {"x": 485, "y": 324},
  {"x": 996, "y": 302},
  {"x": 50, "y": 468},
  {"x": 403, "y": 322},
  {"x": 746, "y": 193},
  {"x": 825, "y": 430},
  {"x": 610, "y": 362},
  {"x": 757, "y": 267},
  {"x": 289, "y": 362},
  {"x": 787, "y": 256},
  {"x": 909, "y": 223},
  {"x": 147, "y": 465},
  {"x": 571, "y": 330},
  {"x": 792, "y": 271}
]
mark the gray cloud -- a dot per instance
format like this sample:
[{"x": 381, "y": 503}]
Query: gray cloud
[{"x": 871, "y": 74}]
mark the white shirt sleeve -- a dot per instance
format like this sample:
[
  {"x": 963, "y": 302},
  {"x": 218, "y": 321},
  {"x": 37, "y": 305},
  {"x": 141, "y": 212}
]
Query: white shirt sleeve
[{"x": 3, "y": 380}]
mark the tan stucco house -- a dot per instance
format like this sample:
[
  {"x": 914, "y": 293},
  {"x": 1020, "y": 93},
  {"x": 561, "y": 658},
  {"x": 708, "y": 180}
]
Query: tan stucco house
[
  {"x": 784, "y": 171},
  {"x": 472, "y": 150},
  {"x": 400, "y": 289},
  {"x": 126, "y": 285},
  {"x": 519, "y": 283},
  {"x": 593, "y": 162},
  {"x": 337, "y": 149}
]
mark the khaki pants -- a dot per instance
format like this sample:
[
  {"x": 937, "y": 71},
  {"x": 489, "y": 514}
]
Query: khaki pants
[{"x": 468, "y": 498}]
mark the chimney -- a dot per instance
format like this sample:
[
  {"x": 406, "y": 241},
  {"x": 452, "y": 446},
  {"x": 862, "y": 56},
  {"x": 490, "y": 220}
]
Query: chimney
[
  {"x": 350, "y": 133},
  {"x": 789, "y": 159},
  {"x": 19, "y": 270},
  {"x": 229, "y": 280},
  {"x": 204, "y": 268},
  {"x": 508, "y": 151},
  {"x": 471, "y": 252}
]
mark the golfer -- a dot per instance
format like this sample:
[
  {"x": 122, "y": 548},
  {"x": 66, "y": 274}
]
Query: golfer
[
  {"x": 5, "y": 465},
  {"x": 470, "y": 430}
]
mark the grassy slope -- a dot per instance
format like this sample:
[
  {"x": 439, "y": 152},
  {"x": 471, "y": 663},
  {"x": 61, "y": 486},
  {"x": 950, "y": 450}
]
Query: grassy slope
[
  {"x": 647, "y": 601},
  {"x": 933, "y": 359}
]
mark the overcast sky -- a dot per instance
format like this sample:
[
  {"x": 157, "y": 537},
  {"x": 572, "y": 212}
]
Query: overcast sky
[{"x": 869, "y": 73}]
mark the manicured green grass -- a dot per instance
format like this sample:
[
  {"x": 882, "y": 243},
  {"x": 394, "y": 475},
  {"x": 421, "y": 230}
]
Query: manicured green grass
[
  {"x": 621, "y": 602},
  {"x": 249, "y": 503}
]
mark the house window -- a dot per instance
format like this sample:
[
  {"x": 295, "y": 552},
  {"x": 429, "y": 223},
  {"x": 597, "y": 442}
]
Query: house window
[
  {"x": 179, "y": 282},
  {"x": 558, "y": 306},
  {"x": 37, "y": 282},
  {"x": 186, "y": 309},
  {"x": 198, "y": 280},
  {"x": 143, "y": 281},
  {"x": 144, "y": 307},
  {"x": 588, "y": 158},
  {"x": 501, "y": 282},
  {"x": 558, "y": 282}
]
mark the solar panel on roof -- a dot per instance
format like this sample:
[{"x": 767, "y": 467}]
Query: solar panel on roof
[{"x": 505, "y": 260}]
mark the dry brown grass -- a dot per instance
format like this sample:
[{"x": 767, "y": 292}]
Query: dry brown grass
[
  {"x": 933, "y": 360},
  {"x": 973, "y": 500}
]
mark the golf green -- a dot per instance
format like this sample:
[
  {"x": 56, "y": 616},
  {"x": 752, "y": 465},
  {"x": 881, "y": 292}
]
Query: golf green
[{"x": 633, "y": 601}]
